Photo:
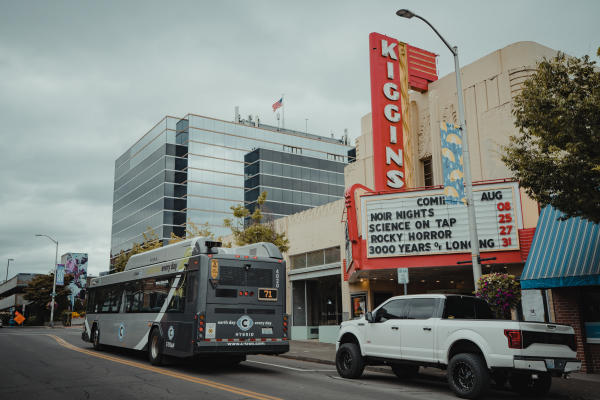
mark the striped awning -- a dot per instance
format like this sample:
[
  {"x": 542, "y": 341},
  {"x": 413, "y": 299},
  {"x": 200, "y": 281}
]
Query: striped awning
[{"x": 563, "y": 253}]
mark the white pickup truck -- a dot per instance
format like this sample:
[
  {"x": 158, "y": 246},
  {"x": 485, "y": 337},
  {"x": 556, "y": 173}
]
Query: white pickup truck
[{"x": 460, "y": 334}]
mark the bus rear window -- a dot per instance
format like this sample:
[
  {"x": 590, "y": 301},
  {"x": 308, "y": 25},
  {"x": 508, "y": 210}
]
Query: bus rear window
[{"x": 240, "y": 276}]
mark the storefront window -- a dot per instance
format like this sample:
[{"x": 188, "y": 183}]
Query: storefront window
[
  {"x": 298, "y": 261},
  {"x": 315, "y": 258},
  {"x": 591, "y": 314},
  {"x": 298, "y": 303},
  {"x": 332, "y": 255}
]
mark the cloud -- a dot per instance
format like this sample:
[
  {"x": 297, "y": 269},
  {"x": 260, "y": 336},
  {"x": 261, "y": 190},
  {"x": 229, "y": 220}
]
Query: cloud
[{"x": 82, "y": 81}]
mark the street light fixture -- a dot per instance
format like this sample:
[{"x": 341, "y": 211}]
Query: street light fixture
[
  {"x": 54, "y": 282},
  {"x": 7, "y": 264},
  {"x": 475, "y": 259}
]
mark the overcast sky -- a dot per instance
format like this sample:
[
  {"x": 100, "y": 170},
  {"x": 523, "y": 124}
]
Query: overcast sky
[{"x": 81, "y": 81}]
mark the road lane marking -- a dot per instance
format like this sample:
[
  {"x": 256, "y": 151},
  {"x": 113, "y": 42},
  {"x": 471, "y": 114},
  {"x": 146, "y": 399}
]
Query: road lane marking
[
  {"x": 189, "y": 378},
  {"x": 292, "y": 368}
]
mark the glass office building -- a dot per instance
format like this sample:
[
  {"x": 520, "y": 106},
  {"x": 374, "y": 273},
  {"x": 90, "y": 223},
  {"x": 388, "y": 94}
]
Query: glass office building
[
  {"x": 293, "y": 182},
  {"x": 193, "y": 169}
]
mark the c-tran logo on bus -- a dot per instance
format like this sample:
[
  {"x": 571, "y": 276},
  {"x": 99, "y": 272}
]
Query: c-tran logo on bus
[{"x": 245, "y": 322}]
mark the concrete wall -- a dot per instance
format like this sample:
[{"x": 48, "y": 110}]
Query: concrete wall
[{"x": 313, "y": 229}]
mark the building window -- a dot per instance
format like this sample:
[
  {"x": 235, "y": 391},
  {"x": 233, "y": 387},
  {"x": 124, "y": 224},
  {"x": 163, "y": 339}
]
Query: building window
[
  {"x": 292, "y": 149},
  {"x": 335, "y": 157},
  {"x": 591, "y": 314},
  {"x": 315, "y": 258},
  {"x": 427, "y": 171}
]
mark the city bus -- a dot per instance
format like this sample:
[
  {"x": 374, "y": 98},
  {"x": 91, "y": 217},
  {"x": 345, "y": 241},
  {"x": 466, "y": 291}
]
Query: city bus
[{"x": 193, "y": 298}]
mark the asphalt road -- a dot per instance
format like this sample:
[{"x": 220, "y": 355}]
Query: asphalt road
[{"x": 40, "y": 363}]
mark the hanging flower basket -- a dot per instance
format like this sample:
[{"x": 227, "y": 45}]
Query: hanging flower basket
[{"x": 501, "y": 291}]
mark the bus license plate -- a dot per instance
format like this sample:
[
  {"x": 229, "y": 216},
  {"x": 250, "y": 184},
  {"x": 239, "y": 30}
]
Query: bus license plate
[{"x": 267, "y": 294}]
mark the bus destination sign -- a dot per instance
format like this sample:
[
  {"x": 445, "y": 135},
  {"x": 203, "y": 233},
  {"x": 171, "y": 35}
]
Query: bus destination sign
[{"x": 421, "y": 223}]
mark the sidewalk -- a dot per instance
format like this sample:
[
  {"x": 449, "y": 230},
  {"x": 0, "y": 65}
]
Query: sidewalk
[{"x": 324, "y": 353}]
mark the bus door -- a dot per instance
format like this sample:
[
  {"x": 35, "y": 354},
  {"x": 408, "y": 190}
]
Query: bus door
[{"x": 245, "y": 301}]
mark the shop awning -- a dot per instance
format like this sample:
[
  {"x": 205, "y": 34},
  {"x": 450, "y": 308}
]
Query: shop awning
[{"x": 563, "y": 253}]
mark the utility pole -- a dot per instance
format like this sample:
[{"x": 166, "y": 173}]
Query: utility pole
[{"x": 404, "y": 13}]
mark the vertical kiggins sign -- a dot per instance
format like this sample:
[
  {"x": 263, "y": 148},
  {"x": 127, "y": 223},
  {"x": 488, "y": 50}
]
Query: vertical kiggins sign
[{"x": 386, "y": 106}]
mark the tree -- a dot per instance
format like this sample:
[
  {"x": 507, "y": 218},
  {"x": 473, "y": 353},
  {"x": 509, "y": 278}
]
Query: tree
[
  {"x": 151, "y": 241},
  {"x": 556, "y": 156},
  {"x": 39, "y": 291},
  {"x": 193, "y": 230},
  {"x": 257, "y": 230}
]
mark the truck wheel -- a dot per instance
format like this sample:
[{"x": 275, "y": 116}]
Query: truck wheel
[
  {"x": 404, "y": 371},
  {"x": 468, "y": 376},
  {"x": 349, "y": 362},
  {"x": 155, "y": 348},
  {"x": 526, "y": 385},
  {"x": 96, "y": 339}
]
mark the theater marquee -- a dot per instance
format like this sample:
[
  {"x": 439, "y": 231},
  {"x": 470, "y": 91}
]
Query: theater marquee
[{"x": 421, "y": 223}]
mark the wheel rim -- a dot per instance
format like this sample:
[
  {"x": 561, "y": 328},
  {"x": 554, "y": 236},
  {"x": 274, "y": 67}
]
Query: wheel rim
[
  {"x": 346, "y": 360},
  {"x": 154, "y": 347},
  {"x": 463, "y": 376}
]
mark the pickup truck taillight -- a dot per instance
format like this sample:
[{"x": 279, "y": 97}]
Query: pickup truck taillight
[{"x": 514, "y": 338}]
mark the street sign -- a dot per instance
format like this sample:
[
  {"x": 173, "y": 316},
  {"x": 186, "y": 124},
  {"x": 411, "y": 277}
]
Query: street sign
[
  {"x": 19, "y": 318},
  {"x": 403, "y": 275}
]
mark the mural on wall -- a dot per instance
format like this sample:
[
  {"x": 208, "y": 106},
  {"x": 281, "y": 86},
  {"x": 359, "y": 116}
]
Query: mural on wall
[{"x": 76, "y": 264}]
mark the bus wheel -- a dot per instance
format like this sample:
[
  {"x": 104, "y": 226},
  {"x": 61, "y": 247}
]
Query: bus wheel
[
  {"x": 155, "y": 348},
  {"x": 96, "y": 339}
]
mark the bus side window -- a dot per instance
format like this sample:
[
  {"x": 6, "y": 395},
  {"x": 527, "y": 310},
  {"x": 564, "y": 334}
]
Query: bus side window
[
  {"x": 90, "y": 301},
  {"x": 116, "y": 294},
  {"x": 178, "y": 300},
  {"x": 105, "y": 300},
  {"x": 132, "y": 297}
]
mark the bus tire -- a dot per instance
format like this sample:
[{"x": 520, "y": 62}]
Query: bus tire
[
  {"x": 155, "y": 353},
  {"x": 96, "y": 339}
]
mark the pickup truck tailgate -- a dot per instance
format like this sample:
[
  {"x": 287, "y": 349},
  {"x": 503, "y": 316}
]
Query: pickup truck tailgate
[{"x": 547, "y": 340}]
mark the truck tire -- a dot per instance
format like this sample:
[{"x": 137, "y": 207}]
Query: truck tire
[
  {"x": 96, "y": 339},
  {"x": 524, "y": 383},
  {"x": 468, "y": 376},
  {"x": 349, "y": 362},
  {"x": 405, "y": 371},
  {"x": 155, "y": 352}
]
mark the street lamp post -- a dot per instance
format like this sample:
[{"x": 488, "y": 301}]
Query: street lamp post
[
  {"x": 54, "y": 281},
  {"x": 466, "y": 160},
  {"x": 7, "y": 264}
]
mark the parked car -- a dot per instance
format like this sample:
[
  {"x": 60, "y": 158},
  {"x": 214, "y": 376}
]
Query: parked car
[{"x": 461, "y": 335}]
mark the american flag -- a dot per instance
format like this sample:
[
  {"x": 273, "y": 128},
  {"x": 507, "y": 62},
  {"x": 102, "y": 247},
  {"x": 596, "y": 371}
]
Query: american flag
[{"x": 277, "y": 104}]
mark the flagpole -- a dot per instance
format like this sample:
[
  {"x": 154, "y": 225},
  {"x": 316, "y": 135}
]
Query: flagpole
[{"x": 282, "y": 112}]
